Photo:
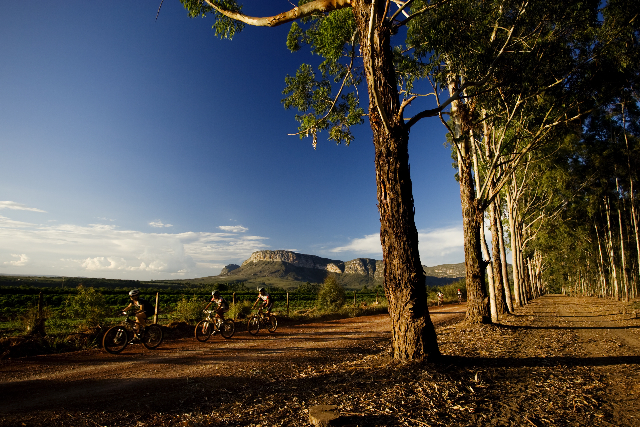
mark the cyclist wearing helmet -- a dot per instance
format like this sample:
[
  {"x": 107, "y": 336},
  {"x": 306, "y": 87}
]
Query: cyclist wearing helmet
[
  {"x": 223, "y": 306},
  {"x": 143, "y": 307},
  {"x": 267, "y": 301}
]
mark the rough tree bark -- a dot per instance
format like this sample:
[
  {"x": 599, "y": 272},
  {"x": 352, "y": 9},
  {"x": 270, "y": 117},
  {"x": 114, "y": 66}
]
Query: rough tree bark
[
  {"x": 472, "y": 219},
  {"x": 413, "y": 334}
]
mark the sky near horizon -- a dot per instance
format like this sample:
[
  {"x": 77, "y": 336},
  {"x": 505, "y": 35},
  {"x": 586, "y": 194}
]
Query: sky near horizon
[{"x": 136, "y": 148}]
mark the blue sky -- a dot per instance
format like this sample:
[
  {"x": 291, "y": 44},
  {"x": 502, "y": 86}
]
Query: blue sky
[{"x": 143, "y": 149}]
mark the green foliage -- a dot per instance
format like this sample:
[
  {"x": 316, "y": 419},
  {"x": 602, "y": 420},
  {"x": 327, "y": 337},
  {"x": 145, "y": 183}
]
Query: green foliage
[
  {"x": 224, "y": 27},
  {"x": 87, "y": 304},
  {"x": 331, "y": 36},
  {"x": 308, "y": 288},
  {"x": 189, "y": 310},
  {"x": 323, "y": 112},
  {"x": 450, "y": 291},
  {"x": 240, "y": 310},
  {"x": 331, "y": 296},
  {"x": 32, "y": 320}
]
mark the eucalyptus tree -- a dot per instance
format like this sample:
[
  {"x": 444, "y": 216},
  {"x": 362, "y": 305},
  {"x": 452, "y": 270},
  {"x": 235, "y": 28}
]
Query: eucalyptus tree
[
  {"x": 512, "y": 64},
  {"x": 356, "y": 40}
]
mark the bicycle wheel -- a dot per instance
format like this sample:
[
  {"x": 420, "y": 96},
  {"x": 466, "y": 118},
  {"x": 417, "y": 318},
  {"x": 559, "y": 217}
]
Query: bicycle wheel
[
  {"x": 253, "y": 325},
  {"x": 115, "y": 339},
  {"x": 272, "y": 323},
  {"x": 152, "y": 336},
  {"x": 203, "y": 330},
  {"x": 227, "y": 328}
]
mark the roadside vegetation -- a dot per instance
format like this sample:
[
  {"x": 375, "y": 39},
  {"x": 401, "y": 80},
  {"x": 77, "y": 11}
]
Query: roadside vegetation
[{"x": 48, "y": 319}]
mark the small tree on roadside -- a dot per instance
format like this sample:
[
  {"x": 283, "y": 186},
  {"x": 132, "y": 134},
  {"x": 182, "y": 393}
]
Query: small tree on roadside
[
  {"x": 331, "y": 296},
  {"x": 87, "y": 304},
  {"x": 189, "y": 310}
]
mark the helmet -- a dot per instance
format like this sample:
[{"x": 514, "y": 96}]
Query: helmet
[
  {"x": 262, "y": 290},
  {"x": 215, "y": 293},
  {"x": 134, "y": 292}
]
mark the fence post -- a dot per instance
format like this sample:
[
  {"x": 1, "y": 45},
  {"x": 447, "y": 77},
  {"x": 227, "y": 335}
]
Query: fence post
[
  {"x": 155, "y": 315},
  {"x": 354, "y": 298},
  {"x": 39, "y": 323},
  {"x": 233, "y": 300},
  {"x": 287, "y": 304}
]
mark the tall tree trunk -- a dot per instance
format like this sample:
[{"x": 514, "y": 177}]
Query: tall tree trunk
[
  {"x": 503, "y": 264},
  {"x": 603, "y": 274},
  {"x": 501, "y": 304},
  {"x": 514, "y": 246},
  {"x": 524, "y": 284},
  {"x": 472, "y": 216},
  {"x": 616, "y": 287},
  {"x": 413, "y": 333},
  {"x": 634, "y": 218},
  {"x": 625, "y": 280}
]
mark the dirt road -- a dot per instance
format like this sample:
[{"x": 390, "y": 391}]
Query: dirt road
[
  {"x": 94, "y": 381},
  {"x": 557, "y": 361}
]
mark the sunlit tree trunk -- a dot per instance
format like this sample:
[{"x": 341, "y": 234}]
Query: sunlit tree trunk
[
  {"x": 413, "y": 333},
  {"x": 503, "y": 266},
  {"x": 625, "y": 281},
  {"x": 472, "y": 217},
  {"x": 514, "y": 246},
  {"x": 616, "y": 288},
  {"x": 501, "y": 305},
  {"x": 603, "y": 275}
]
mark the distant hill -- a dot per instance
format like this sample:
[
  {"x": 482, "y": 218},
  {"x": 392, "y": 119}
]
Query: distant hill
[
  {"x": 444, "y": 274},
  {"x": 287, "y": 269},
  {"x": 284, "y": 269}
]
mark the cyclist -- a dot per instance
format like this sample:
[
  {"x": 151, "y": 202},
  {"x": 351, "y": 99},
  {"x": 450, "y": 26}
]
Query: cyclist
[
  {"x": 440, "y": 298},
  {"x": 267, "y": 301},
  {"x": 144, "y": 310},
  {"x": 223, "y": 305},
  {"x": 459, "y": 296}
]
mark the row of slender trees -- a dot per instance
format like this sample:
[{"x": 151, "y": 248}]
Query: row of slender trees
[{"x": 516, "y": 83}]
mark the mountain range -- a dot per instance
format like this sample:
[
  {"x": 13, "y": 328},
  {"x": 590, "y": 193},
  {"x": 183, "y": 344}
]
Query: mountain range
[{"x": 289, "y": 269}]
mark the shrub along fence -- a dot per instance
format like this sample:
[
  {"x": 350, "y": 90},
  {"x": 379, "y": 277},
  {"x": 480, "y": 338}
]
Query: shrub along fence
[{"x": 98, "y": 303}]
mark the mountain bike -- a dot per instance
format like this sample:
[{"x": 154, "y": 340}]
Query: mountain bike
[
  {"x": 459, "y": 298},
  {"x": 262, "y": 320},
  {"x": 118, "y": 337},
  {"x": 205, "y": 328}
]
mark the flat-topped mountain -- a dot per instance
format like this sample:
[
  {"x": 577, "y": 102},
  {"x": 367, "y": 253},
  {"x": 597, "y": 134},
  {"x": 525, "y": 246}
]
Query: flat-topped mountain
[
  {"x": 281, "y": 267},
  {"x": 365, "y": 266}
]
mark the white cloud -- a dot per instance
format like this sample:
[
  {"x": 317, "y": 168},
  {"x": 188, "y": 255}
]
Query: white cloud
[
  {"x": 441, "y": 246},
  {"x": 17, "y": 206},
  {"x": 233, "y": 228},
  {"x": 23, "y": 259},
  {"x": 105, "y": 219},
  {"x": 99, "y": 250},
  {"x": 437, "y": 246},
  {"x": 367, "y": 245},
  {"x": 159, "y": 224}
]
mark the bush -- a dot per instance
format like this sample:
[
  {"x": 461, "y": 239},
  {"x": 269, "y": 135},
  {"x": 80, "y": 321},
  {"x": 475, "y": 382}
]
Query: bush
[
  {"x": 32, "y": 320},
  {"x": 189, "y": 310},
  {"x": 450, "y": 292},
  {"x": 331, "y": 296},
  {"x": 87, "y": 304},
  {"x": 239, "y": 310}
]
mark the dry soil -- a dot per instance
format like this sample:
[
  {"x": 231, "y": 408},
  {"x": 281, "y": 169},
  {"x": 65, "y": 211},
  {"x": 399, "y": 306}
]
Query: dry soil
[{"x": 559, "y": 361}]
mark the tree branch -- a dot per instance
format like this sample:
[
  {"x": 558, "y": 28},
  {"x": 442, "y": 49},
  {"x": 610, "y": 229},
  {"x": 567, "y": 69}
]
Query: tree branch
[{"x": 305, "y": 10}]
